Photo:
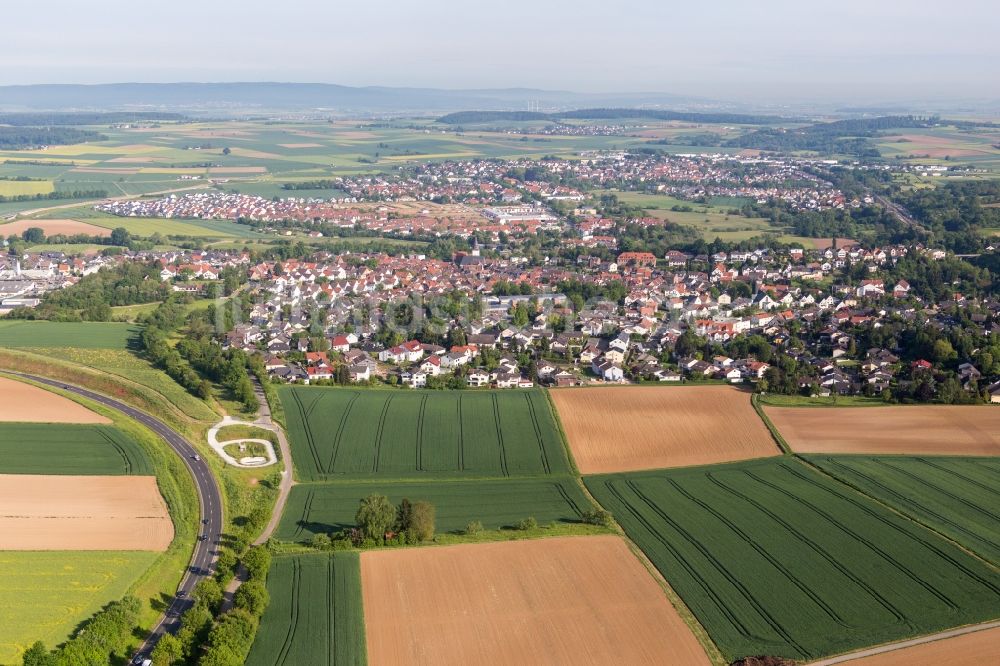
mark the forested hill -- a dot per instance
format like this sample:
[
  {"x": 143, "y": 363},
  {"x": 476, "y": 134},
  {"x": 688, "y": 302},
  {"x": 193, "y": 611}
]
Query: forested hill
[
  {"x": 19, "y": 138},
  {"x": 848, "y": 137},
  {"x": 27, "y": 119},
  {"x": 471, "y": 117}
]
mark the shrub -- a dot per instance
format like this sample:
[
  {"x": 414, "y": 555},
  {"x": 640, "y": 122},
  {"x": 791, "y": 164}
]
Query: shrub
[
  {"x": 321, "y": 542},
  {"x": 474, "y": 527},
  {"x": 528, "y": 523},
  {"x": 598, "y": 517},
  {"x": 422, "y": 517}
]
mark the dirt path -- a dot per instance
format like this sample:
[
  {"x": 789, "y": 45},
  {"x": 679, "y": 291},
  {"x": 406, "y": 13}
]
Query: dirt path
[
  {"x": 892, "y": 647},
  {"x": 247, "y": 463},
  {"x": 287, "y": 476}
]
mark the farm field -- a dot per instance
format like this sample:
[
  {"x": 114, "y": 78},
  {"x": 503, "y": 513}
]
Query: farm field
[
  {"x": 316, "y": 508},
  {"x": 52, "y": 228},
  {"x": 927, "y": 429},
  {"x": 974, "y": 649},
  {"x": 53, "y": 512},
  {"x": 88, "y": 335},
  {"x": 932, "y": 145},
  {"x": 569, "y": 600},
  {"x": 129, "y": 366},
  {"x": 172, "y": 227},
  {"x": 33, "y": 448},
  {"x": 23, "y": 402},
  {"x": 712, "y": 221},
  {"x": 775, "y": 558},
  {"x": 625, "y": 428},
  {"x": 315, "y": 614},
  {"x": 46, "y": 595},
  {"x": 957, "y": 497},
  {"x": 345, "y": 433},
  {"x": 13, "y": 188}
]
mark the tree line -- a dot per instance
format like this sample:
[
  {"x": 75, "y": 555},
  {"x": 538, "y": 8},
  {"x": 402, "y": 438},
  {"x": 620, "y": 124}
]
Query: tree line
[
  {"x": 54, "y": 195},
  {"x": 20, "y": 138},
  {"x": 462, "y": 117}
]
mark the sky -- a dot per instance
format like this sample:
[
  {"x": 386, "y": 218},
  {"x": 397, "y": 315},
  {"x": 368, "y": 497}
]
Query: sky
[{"x": 741, "y": 50}]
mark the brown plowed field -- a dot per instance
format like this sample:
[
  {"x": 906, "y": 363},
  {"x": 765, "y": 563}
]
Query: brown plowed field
[
  {"x": 41, "y": 512},
  {"x": 27, "y": 403},
  {"x": 53, "y": 227},
  {"x": 569, "y": 600},
  {"x": 927, "y": 429},
  {"x": 627, "y": 428},
  {"x": 975, "y": 649}
]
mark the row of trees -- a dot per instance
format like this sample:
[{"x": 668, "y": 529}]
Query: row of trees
[
  {"x": 208, "y": 636},
  {"x": 197, "y": 360}
]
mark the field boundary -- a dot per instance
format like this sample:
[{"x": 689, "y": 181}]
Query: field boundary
[
  {"x": 900, "y": 645},
  {"x": 562, "y": 433},
  {"x": 686, "y": 614},
  {"x": 782, "y": 444}
]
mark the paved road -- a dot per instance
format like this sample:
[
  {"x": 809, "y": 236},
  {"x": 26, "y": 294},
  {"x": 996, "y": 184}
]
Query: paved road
[{"x": 205, "y": 552}]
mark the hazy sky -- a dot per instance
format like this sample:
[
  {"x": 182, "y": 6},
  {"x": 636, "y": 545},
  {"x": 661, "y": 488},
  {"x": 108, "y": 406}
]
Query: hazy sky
[{"x": 725, "y": 49}]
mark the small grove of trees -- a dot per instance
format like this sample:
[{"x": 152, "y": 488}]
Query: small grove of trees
[
  {"x": 380, "y": 522},
  {"x": 92, "y": 298},
  {"x": 105, "y": 639}
]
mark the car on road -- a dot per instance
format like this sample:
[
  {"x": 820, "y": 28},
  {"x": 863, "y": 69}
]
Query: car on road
[
  {"x": 203, "y": 537},
  {"x": 195, "y": 457}
]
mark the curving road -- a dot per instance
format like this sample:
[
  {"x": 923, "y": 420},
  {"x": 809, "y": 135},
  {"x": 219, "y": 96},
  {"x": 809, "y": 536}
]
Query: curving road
[{"x": 205, "y": 552}]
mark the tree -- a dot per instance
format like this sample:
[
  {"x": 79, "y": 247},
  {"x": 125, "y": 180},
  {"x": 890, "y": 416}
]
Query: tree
[
  {"x": 257, "y": 560},
  {"x": 520, "y": 315},
  {"x": 598, "y": 517},
  {"x": 404, "y": 515},
  {"x": 34, "y": 235},
  {"x": 375, "y": 516},
  {"x": 120, "y": 236},
  {"x": 253, "y": 597},
  {"x": 38, "y": 655},
  {"x": 943, "y": 352},
  {"x": 421, "y": 521},
  {"x": 167, "y": 651},
  {"x": 230, "y": 639},
  {"x": 226, "y": 150}
]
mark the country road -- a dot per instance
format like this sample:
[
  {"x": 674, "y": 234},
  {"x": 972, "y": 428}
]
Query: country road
[{"x": 210, "y": 510}]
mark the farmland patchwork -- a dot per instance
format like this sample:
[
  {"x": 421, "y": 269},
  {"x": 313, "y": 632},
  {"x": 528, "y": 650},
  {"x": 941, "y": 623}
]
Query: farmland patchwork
[{"x": 775, "y": 558}]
